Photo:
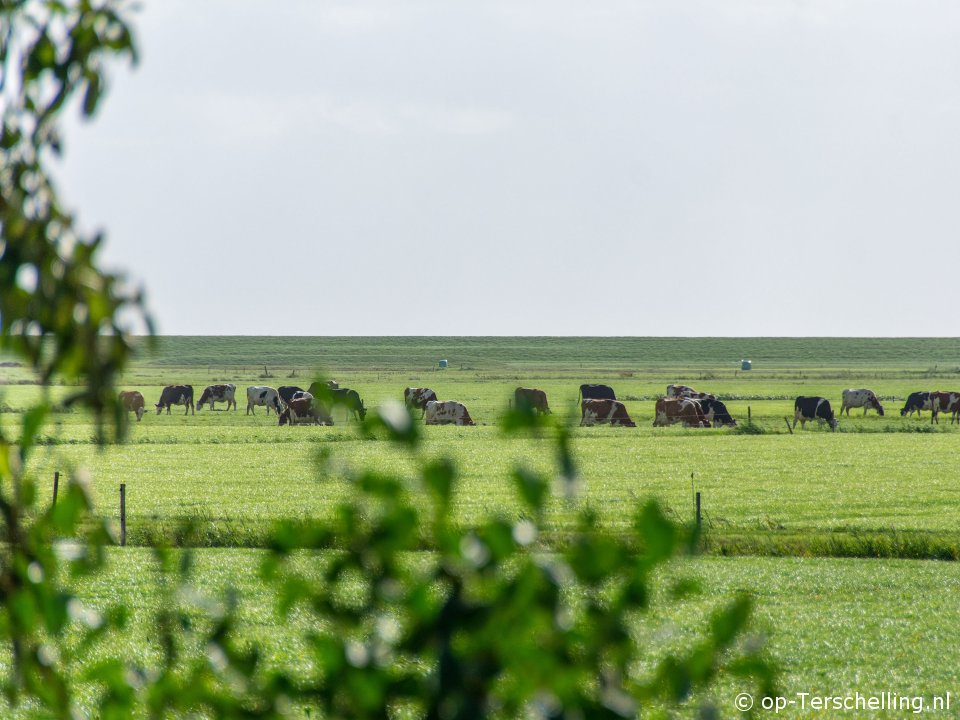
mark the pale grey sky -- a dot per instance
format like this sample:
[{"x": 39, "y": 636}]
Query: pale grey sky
[{"x": 735, "y": 167}]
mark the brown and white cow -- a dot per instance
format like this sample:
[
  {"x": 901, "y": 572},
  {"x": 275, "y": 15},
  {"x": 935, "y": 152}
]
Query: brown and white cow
[
  {"x": 305, "y": 409},
  {"x": 532, "y": 398},
  {"x": 604, "y": 412},
  {"x": 856, "y": 398},
  {"x": 947, "y": 402},
  {"x": 679, "y": 410},
  {"x": 218, "y": 393},
  {"x": 132, "y": 401},
  {"x": 418, "y": 398},
  {"x": 176, "y": 395},
  {"x": 448, "y": 412}
]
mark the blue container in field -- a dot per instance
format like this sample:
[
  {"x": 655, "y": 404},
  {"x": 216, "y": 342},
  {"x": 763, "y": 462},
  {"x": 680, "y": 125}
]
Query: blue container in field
[
  {"x": 442, "y": 364},
  {"x": 745, "y": 365}
]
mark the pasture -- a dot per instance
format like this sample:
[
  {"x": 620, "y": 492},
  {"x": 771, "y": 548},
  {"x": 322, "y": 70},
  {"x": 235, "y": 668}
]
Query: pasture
[{"x": 880, "y": 491}]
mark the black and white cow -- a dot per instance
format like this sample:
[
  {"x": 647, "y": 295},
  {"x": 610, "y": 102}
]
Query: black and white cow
[
  {"x": 685, "y": 391},
  {"x": 319, "y": 387},
  {"x": 813, "y": 408},
  {"x": 262, "y": 395},
  {"x": 286, "y": 392},
  {"x": 349, "y": 399},
  {"x": 176, "y": 395},
  {"x": 218, "y": 393},
  {"x": 716, "y": 413},
  {"x": 596, "y": 392},
  {"x": 916, "y": 402},
  {"x": 860, "y": 398}
]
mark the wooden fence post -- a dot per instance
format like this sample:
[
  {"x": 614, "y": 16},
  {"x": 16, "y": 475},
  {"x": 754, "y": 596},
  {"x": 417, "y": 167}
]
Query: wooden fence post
[
  {"x": 699, "y": 517},
  {"x": 749, "y": 415},
  {"x": 123, "y": 514},
  {"x": 56, "y": 486},
  {"x": 788, "y": 426}
]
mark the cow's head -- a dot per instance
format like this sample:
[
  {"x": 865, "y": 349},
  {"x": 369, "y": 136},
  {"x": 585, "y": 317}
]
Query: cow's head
[
  {"x": 362, "y": 412},
  {"x": 285, "y": 417},
  {"x": 159, "y": 407},
  {"x": 833, "y": 423},
  {"x": 139, "y": 413},
  {"x": 878, "y": 406}
]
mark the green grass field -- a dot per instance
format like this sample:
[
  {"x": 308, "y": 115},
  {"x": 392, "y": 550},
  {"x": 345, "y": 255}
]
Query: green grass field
[
  {"x": 880, "y": 492},
  {"x": 834, "y": 626}
]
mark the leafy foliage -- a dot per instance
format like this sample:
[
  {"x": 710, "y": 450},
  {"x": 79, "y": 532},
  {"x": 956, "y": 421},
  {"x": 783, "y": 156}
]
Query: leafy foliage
[
  {"x": 481, "y": 625},
  {"x": 57, "y": 308}
]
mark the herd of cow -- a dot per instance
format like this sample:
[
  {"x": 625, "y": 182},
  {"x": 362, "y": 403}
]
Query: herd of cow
[{"x": 598, "y": 404}]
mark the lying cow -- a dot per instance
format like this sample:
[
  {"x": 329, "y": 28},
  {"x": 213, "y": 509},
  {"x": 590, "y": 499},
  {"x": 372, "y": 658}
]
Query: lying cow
[
  {"x": 947, "y": 402},
  {"x": 668, "y": 411},
  {"x": 417, "y": 398},
  {"x": 218, "y": 393},
  {"x": 533, "y": 399},
  {"x": 448, "y": 412},
  {"x": 264, "y": 396},
  {"x": 176, "y": 395},
  {"x": 716, "y": 413},
  {"x": 286, "y": 392},
  {"x": 604, "y": 412},
  {"x": 860, "y": 398},
  {"x": 596, "y": 392},
  {"x": 132, "y": 401},
  {"x": 305, "y": 409},
  {"x": 813, "y": 408},
  {"x": 916, "y": 402}
]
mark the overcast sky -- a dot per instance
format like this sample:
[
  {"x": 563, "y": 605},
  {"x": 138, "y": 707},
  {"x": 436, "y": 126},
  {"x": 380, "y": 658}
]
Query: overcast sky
[{"x": 734, "y": 167}]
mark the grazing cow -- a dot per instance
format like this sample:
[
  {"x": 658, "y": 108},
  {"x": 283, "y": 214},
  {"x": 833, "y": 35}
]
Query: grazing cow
[
  {"x": 321, "y": 389},
  {"x": 813, "y": 408},
  {"x": 596, "y": 392},
  {"x": 305, "y": 409},
  {"x": 688, "y": 411},
  {"x": 132, "y": 401},
  {"x": 916, "y": 401},
  {"x": 716, "y": 413},
  {"x": 218, "y": 393},
  {"x": 948, "y": 402},
  {"x": 418, "y": 398},
  {"x": 533, "y": 399},
  {"x": 268, "y": 397},
  {"x": 448, "y": 412},
  {"x": 176, "y": 395},
  {"x": 286, "y": 392},
  {"x": 604, "y": 411},
  {"x": 860, "y": 398},
  {"x": 350, "y": 399}
]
